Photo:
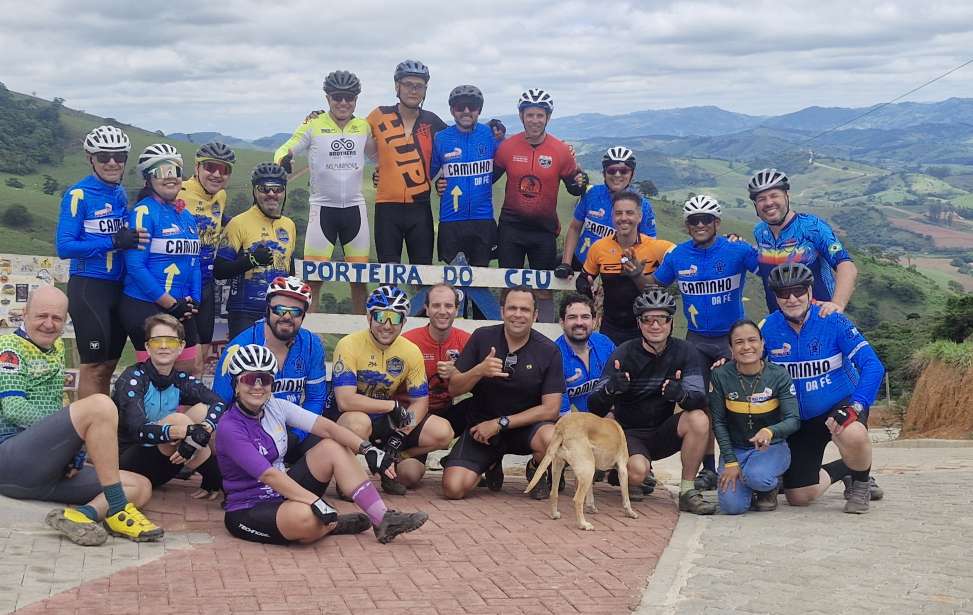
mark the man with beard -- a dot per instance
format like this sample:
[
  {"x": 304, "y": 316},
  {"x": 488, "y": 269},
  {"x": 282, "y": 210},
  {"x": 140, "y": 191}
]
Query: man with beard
[
  {"x": 301, "y": 377},
  {"x": 584, "y": 352}
]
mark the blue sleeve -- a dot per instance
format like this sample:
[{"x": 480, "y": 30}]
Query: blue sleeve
[
  {"x": 664, "y": 273},
  {"x": 581, "y": 209},
  {"x": 136, "y": 261},
  {"x": 197, "y": 292},
  {"x": 648, "y": 219},
  {"x": 751, "y": 261},
  {"x": 856, "y": 348},
  {"x": 70, "y": 229},
  {"x": 221, "y": 379},
  {"x": 437, "y": 162},
  {"x": 565, "y": 403},
  {"x": 316, "y": 385},
  {"x": 828, "y": 245}
]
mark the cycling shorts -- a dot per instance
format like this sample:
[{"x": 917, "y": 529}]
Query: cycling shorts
[
  {"x": 807, "y": 446},
  {"x": 710, "y": 350},
  {"x": 206, "y": 318},
  {"x": 134, "y": 313},
  {"x": 396, "y": 223},
  {"x": 517, "y": 243},
  {"x": 472, "y": 455},
  {"x": 94, "y": 308},
  {"x": 328, "y": 227},
  {"x": 150, "y": 462},
  {"x": 655, "y": 442},
  {"x": 474, "y": 238}
]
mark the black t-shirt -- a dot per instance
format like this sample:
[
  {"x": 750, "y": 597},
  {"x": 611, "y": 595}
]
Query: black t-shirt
[{"x": 535, "y": 370}]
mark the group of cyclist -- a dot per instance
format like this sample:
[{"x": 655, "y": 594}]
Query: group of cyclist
[{"x": 772, "y": 394}]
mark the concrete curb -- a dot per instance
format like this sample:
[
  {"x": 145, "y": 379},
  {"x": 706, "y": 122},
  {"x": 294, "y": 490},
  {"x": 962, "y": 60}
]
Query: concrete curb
[{"x": 925, "y": 443}]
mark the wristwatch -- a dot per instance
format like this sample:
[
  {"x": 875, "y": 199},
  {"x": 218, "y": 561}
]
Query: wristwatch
[{"x": 503, "y": 422}]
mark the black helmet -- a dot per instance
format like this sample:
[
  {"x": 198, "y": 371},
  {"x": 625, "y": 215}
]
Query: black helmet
[
  {"x": 411, "y": 68},
  {"x": 789, "y": 275},
  {"x": 767, "y": 179},
  {"x": 654, "y": 299},
  {"x": 466, "y": 91},
  {"x": 342, "y": 81},
  {"x": 214, "y": 150},
  {"x": 268, "y": 172}
]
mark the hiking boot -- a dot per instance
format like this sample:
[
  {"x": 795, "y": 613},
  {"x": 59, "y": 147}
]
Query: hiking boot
[
  {"x": 706, "y": 480},
  {"x": 874, "y": 491},
  {"x": 599, "y": 476},
  {"x": 648, "y": 485},
  {"x": 858, "y": 498},
  {"x": 395, "y": 523},
  {"x": 765, "y": 501},
  {"x": 611, "y": 477},
  {"x": 692, "y": 501},
  {"x": 132, "y": 524},
  {"x": 354, "y": 523},
  {"x": 393, "y": 487},
  {"x": 78, "y": 528},
  {"x": 543, "y": 487},
  {"x": 493, "y": 477}
]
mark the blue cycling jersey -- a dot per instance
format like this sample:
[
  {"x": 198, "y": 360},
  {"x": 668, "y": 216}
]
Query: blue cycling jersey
[
  {"x": 830, "y": 361},
  {"x": 594, "y": 211},
  {"x": 711, "y": 282},
  {"x": 170, "y": 264},
  {"x": 805, "y": 239},
  {"x": 92, "y": 211},
  {"x": 302, "y": 380},
  {"x": 580, "y": 379},
  {"x": 466, "y": 160}
]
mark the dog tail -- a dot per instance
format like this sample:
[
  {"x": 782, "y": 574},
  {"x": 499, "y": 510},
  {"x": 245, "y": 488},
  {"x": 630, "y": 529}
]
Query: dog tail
[{"x": 546, "y": 461}]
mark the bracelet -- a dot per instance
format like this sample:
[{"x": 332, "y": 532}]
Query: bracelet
[{"x": 364, "y": 446}]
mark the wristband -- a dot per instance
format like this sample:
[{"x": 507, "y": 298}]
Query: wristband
[
  {"x": 732, "y": 464},
  {"x": 769, "y": 431}
]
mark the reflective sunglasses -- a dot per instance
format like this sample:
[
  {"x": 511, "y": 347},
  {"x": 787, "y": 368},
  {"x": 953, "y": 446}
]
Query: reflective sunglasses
[
  {"x": 106, "y": 157},
  {"x": 281, "y": 310},
  {"x": 698, "y": 219},
  {"x": 790, "y": 291},
  {"x": 257, "y": 379},
  {"x": 166, "y": 171},
  {"x": 163, "y": 341},
  {"x": 389, "y": 317},
  {"x": 618, "y": 170},
  {"x": 465, "y": 105},
  {"x": 646, "y": 319},
  {"x": 212, "y": 166},
  {"x": 343, "y": 97},
  {"x": 270, "y": 189}
]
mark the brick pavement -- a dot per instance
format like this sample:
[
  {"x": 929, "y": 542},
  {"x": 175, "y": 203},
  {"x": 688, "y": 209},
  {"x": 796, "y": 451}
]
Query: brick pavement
[{"x": 492, "y": 553}]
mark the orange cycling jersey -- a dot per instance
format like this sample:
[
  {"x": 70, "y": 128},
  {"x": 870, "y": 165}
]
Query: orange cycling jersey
[{"x": 403, "y": 159}]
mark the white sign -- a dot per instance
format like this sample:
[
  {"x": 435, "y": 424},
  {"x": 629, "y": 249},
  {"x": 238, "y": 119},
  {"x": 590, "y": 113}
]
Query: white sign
[{"x": 427, "y": 275}]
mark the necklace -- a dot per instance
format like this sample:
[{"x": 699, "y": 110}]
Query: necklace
[{"x": 754, "y": 383}]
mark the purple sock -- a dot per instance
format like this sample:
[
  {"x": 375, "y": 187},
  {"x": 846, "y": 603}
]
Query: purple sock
[{"x": 367, "y": 498}]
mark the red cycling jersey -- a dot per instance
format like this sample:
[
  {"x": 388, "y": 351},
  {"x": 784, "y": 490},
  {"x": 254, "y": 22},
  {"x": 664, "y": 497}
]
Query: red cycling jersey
[
  {"x": 432, "y": 353},
  {"x": 533, "y": 177}
]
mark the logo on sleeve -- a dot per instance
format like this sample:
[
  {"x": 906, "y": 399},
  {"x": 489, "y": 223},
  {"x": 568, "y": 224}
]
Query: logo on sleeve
[
  {"x": 9, "y": 362},
  {"x": 835, "y": 247}
]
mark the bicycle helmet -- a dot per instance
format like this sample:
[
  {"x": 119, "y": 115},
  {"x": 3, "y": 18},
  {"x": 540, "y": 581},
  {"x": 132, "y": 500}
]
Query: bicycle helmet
[
  {"x": 789, "y": 275},
  {"x": 214, "y": 150},
  {"x": 536, "y": 97},
  {"x": 268, "y": 172},
  {"x": 106, "y": 139},
  {"x": 411, "y": 68},
  {"x": 252, "y": 358},
  {"x": 617, "y": 154},
  {"x": 289, "y": 287},
  {"x": 767, "y": 179},
  {"x": 701, "y": 204},
  {"x": 654, "y": 299},
  {"x": 342, "y": 81},
  {"x": 466, "y": 91},
  {"x": 388, "y": 297},
  {"x": 156, "y": 153}
]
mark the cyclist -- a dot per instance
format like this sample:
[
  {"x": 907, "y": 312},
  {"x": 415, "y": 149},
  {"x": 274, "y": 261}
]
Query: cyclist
[
  {"x": 257, "y": 247},
  {"x": 785, "y": 236},
  {"x": 403, "y": 137},
  {"x": 299, "y": 352},
  {"x": 623, "y": 261},
  {"x": 154, "y": 438},
  {"x": 336, "y": 144},
  {"x": 43, "y": 444},
  {"x": 205, "y": 196},
  {"x": 464, "y": 153},
  {"x": 584, "y": 351},
  {"x": 265, "y": 503},
  {"x": 644, "y": 380},
  {"x": 91, "y": 230},
  {"x": 837, "y": 375},
  {"x": 593, "y": 214},
  {"x": 166, "y": 277},
  {"x": 710, "y": 271},
  {"x": 369, "y": 369}
]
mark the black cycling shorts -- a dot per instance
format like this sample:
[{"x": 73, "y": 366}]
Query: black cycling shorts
[
  {"x": 516, "y": 243},
  {"x": 474, "y": 238},
  {"x": 711, "y": 350},
  {"x": 807, "y": 446},
  {"x": 472, "y": 455},
  {"x": 410, "y": 223},
  {"x": 150, "y": 462},
  {"x": 94, "y": 308},
  {"x": 206, "y": 318},
  {"x": 134, "y": 313},
  {"x": 655, "y": 442},
  {"x": 382, "y": 429},
  {"x": 618, "y": 335}
]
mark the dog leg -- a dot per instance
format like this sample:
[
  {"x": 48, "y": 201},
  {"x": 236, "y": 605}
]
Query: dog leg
[
  {"x": 557, "y": 467},
  {"x": 581, "y": 493},
  {"x": 622, "y": 465}
]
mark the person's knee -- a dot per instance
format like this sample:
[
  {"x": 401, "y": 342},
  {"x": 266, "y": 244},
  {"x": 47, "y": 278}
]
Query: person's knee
[
  {"x": 542, "y": 438},
  {"x": 697, "y": 423},
  {"x": 358, "y": 422},
  {"x": 439, "y": 430},
  {"x": 798, "y": 497},
  {"x": 853, "y": 437},
  {"x": 96, "y": 407},
  {"x": 638, "y": 468},
  {"x": 733, "y": 504},
  {"x": 410, "y": 472},
  {"x": 454, "y": 487},
  {"x": 760, "y": 480}
]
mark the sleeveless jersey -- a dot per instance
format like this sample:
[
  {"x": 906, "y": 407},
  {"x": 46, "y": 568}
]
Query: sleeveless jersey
[
  {"x": 403, "y": 160},
  {"x": 251, "y": 229},
  {"x": 171, "y": 262},
  {"x": 92, "y": 211},
  {"x": 534, "y": 175},
  {"x": 466, "y": 161},
  {"x": 594, "y": 212},
  {"x": 208, "y": 210}
]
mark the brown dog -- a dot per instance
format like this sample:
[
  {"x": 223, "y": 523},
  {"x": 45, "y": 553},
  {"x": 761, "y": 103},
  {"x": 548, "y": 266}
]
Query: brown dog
[{"x": 585, "y": 442}]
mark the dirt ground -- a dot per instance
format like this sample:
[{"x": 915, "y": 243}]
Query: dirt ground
[
  {"x": 942, "y": 237},
  {"x": 941, "y": 404}
]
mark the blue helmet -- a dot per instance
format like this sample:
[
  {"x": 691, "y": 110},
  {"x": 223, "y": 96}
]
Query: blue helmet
[{"x": 388, "y": 298}]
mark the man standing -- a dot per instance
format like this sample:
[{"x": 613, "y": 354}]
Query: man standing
[{"x": 584, "y": 351}]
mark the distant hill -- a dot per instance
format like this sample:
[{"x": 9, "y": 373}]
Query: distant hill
[{"x": 270, "y": 143}]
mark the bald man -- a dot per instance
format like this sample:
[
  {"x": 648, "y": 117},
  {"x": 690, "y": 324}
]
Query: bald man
[{"x": 43, "y": 446}]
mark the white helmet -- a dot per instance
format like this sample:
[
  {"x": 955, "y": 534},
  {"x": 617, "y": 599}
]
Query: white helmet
[
  {"x": 156, "y": 153},
  {"x": 252, "y": 358},
  {"x": 388, "y": 297},
  {"x": 618, "y": 153},
  {"x": 767, "y": 179},
  {"x": 290, "y": 286},
  {"x": 536, "y": 97},
  {"x": 106, "y": 139},
  {"x": 701, "y": 204}
]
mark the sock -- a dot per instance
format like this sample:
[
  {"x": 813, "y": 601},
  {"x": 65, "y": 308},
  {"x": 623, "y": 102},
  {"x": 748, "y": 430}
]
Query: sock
[
  {"x": 836, "y": 470},
  {"x": 366, "y": 497},
  {"x": 860, "y": 475},
  {"x": 213, "y": 480},
  {"x": 686, "y": 485},
  {"x": 116, "y": 498},
  {"x": 88, "y": 511},
  {"x": 709, "y": 463}
]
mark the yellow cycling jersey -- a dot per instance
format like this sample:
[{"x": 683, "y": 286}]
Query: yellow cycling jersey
[
  {"x": 249, "y": 230},
  {"x": 378, "y": 373},
  {"x": 208, "y": 210}
]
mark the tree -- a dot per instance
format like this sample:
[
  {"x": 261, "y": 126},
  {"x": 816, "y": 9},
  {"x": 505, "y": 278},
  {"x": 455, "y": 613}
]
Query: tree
[
  {"x": 13, "y": 182},
  {"x": 50, "y": 185},
  {"x": 647, "y": 187},
  {"x": 938, "y": 171},
  {"x": 16, "y": 216},
  {"x": 956, "y": 321}
]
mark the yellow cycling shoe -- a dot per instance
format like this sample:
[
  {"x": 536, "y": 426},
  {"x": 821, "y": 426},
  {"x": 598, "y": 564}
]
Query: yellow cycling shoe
[
  {"x": 131, "y": 523},
  {"x": 78, "y": 528}
]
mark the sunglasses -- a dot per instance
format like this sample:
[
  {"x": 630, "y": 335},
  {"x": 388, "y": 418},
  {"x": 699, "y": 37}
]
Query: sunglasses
[
  {"x": 166, "y": 171},
  {"x": 282, "y": 310},
  {"x": 211, "y": 166},
  {"x": 388, "y": 317},
  {"x": 618, "y": 170},
  {"x": 463, "y": 105},
  {"x": 270, "y": 189},
  {"x": 655, "y": 320},
  {"x": 790, "y": 291},
  {"x": 698, "y": 219},
  {"x": 343, "y": 98},
  {"x": 415, "y": 87},
  {"x": 257, "y": 379},
  {"x": 163, "y": 341},
  {"x": 106, "y": 157}
]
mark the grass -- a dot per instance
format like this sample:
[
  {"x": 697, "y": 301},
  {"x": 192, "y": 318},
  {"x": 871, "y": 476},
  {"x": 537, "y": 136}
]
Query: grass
[{"x": 950, "y": 353}]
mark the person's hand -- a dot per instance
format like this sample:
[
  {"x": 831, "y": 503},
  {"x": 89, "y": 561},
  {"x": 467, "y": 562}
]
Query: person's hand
[
  {"x": 287, "y": 162},
  {"x": 127, "y": 238},
  {"x": 181, "y": 310},
  {"x": 491, "y": 366},
  {"x": 261, "y": 256},
  {"x": 482, "y": 432},
  {"x": 313, "y": 114},
  {"x": 177, "y": 459},
  {"x": 400, "y": 416},
  {"x": 445, "y": 369},
  {"x": 379, "y": 461},
  {"x": 729, "y": 478},
  {"x": 632, "y": 266},
  {"x": 733, "y": 237},
  {"x": 563, "y": 271},
  {"x": 840, "y": 418},
  {"x": 718, "y": 363},
  {"x": 583, "y": 284},
  {"x": 324, "y": 512},
  {"x": 71, "y": 473},
  {"x": 192, "y": 304},
  {"x": 761, "y": 439},
  {"x": 619, "y": 381},
  {"x": 672, "y": 389},
  {"x": 441, "y": 186},
  {"x": 826, "y": 308},
  {"x": 375, "y": 178}
]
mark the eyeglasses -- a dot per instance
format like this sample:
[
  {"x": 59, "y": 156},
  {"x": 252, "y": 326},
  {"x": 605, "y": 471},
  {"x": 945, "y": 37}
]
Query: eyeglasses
[
  {"x": 698, "y": 219},
  {"x": 270, "y": 189},
  {"x": 282, "y": 310},
  {"x": 163, "y": 341},
  {"x": 343, "y": 97},
  {"x": 166, "y": 171},
  {"x": 654, "y": 320},
  {"x": 211, "y": 166},
  {"x": 790, "y": 291},
  {"x": 106, "y": 157},
  {"x": 618, "y": 170},
  {"x": 415, "y": 87},
  {"x": 257, "y": 379},
  {"x": 389, "y": 317}
]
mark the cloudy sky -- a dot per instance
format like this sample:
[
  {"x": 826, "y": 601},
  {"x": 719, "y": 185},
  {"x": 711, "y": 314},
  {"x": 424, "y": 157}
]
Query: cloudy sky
[{"x": 250, "y": 69}]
